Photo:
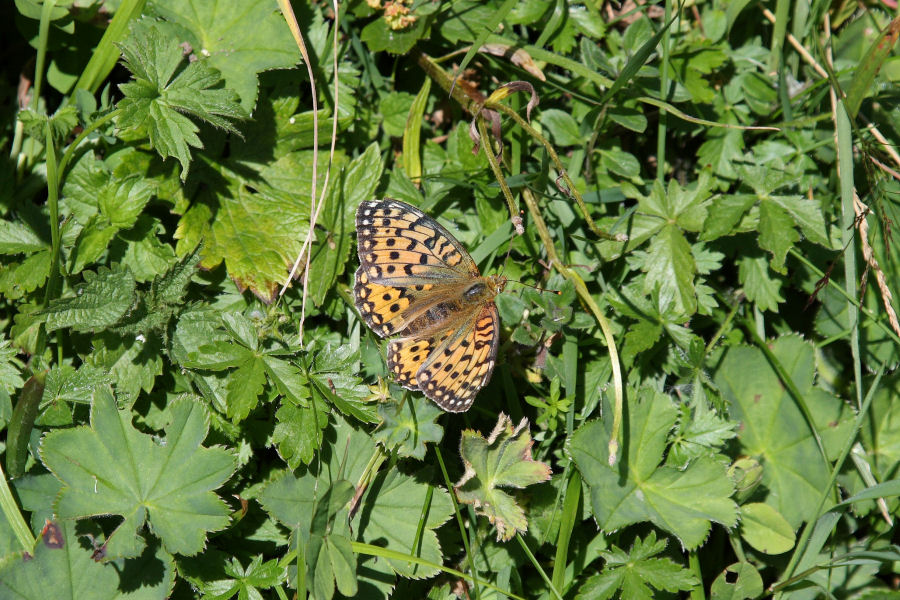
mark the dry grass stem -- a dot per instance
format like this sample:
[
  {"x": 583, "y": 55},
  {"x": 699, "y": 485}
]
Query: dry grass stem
[
  {"x": 862, "y": 226},
  {"x": 315, "y": 203}
]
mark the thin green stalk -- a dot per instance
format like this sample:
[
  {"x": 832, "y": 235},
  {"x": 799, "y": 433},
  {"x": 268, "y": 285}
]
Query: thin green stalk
[
  {"x": 301, "y": 566},
  {"x": 588, "y": 300},
  {"x": 663, "y": 93},
  {"x": 697, "y": 592},
  {"x": 734, "y": 539},
  {"x": 10, "y": 510},
  {"x": 423, "y": 517},
  {"x": 850, "y": 297},
  {"x": 51, "y": 289},
  {"x": 521, "y": 122},
  {"x": 779, "y": 33},
  {"x": 106, "y": 54},
  {"x": 800, "y": 548},
  {"x": 370, "y": 550},
  {"x": 487, "y": 146},
  {"x": 848, "y": 216},
  {"x": 462, "y": 527},
  {"x": 566, "y": 527},
  {"x": 537, "y": 566},
  {"x": 43, "y": 36},
  {"x": 93, "y": 126}
]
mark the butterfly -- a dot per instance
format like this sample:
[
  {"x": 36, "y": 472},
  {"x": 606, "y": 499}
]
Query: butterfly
[{"x": 416, "y": 281}]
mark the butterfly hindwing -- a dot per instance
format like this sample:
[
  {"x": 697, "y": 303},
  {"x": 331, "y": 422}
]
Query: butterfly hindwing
[
  {"x": 406, "y": 355},
  {"x": 455, "y": 372}
]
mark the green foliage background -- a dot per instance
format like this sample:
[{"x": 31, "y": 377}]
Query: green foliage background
[{"x": 711, "y": 186}]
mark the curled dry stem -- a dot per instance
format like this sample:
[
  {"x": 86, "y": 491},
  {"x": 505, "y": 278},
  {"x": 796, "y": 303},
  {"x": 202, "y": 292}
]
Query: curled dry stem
[{"x": 588, "y": 300}]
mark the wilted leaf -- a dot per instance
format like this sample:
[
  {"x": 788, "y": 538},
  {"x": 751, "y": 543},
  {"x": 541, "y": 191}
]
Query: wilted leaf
[{"x": 503, "y": 460}]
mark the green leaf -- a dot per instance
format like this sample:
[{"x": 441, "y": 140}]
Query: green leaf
[
  {"x": 379, "y": 36},
  {"x": 776, "y": 233},
  {"x": 503, "y": 460},
  {"x": 298, "y": 432},
  {"x": 773, "y": 428},
  {"x": 245, "y": 384},
  {"x": 721, "y": 151},
  {"x": 59, "y": 125},
  {"x": 331, "y": 255},
  {"x": 235, "y": 579},
  {"x": 111, "y": 468},
  {"x": 408, "y": 426},
  {"x": 62, "y": 565},
  {"x": 92, "y": 242},
  {"x": 169, "y": 288},
  {"x": 699, "y": 432},
  {"x": 257, "y": 235},
  {"x": 287, "y": 378},
  {"x": 765, "y": 529},
  {"x": 133, "y": 362},
  {"x": 10, "y": 367},
  {"x": 253, "y": 39},
  {"x": 725, "y": 212},
  {"x": 329, "y": 556},
  {"x": 393, "y": 519},
  {"x": 670, "y": 270},
  {"x": 562, "y": 127},
  {"x": 759, "y": 284},
  {"x": 740, "y": 581},
  {"x": 383, "y": 518},
  {"x": 16, "y": 238},
  {"x": 159, "y": 99},
  {"x": 393, "y": 108},
  {"x": 18, "y": 279},
  {"x": 637, "y": 571},
  {"x": 66, "y": 384},
  {"x": 331, "y": 378},
  {"x": 620, "y": 162},
  {"x": 639, "y": 488},
  {"x": 864, "y": 75},
  {"x": 99, "y": 302}
]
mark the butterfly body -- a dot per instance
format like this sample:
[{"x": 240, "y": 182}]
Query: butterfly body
[{"x": 416, "y": 281}]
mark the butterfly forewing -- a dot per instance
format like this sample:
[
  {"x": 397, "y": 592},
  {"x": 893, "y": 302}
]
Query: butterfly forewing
[{"x": 411, "y": 282}]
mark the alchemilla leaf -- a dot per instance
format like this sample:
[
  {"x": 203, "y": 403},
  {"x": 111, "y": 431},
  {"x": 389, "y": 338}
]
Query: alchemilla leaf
[
  {"x": 640, "y": 488},
  {"x": 252, "y": 39},
  {"x": 62, "y": 565},
  {"x": 772, "y": 426},
  {"x": 503, "y": 460},
  {"x": 111, "y": 468}
]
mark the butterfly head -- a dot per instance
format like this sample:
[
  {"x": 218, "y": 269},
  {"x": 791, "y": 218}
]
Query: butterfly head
[{"x": 496, "y": 283}]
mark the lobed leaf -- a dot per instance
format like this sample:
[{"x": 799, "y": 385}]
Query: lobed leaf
[{"x": 111, "y": 468}]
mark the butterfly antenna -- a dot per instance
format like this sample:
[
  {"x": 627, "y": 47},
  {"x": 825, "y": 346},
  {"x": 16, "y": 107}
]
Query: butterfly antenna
[{"x": 540, "y": 289}]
